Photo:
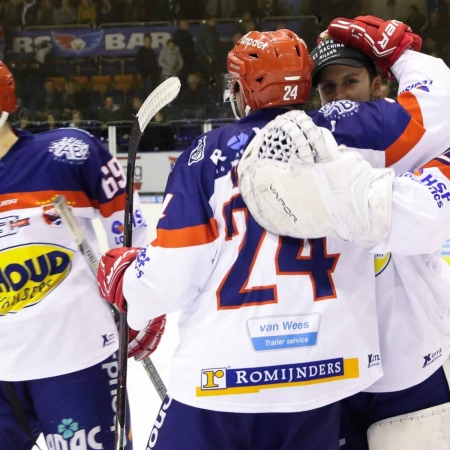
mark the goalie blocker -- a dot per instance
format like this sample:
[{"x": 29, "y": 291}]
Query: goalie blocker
[{"x": 289, "y": 194}]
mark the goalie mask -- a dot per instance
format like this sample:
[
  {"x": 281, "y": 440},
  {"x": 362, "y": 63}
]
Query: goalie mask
[
  {"x": 269, "y": 69},
  {"x": 8, "y": 102}
]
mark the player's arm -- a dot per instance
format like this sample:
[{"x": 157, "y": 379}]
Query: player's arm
[
  {"x": 420, "y": 211},
  {"x": 172, "y": 270},
  {"x": 424, "y": 90},
  {"x": 340, "y": 195}
]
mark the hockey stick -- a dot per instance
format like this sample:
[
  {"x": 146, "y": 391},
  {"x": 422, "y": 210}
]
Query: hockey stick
[
  {"x": 69, "y": 220},
  {"x": 165, "y": 93}
]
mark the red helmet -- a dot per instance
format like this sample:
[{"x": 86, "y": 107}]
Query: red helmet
[
  {"x": 272, "y": 68},
  {"x": 7, "y": 90}
]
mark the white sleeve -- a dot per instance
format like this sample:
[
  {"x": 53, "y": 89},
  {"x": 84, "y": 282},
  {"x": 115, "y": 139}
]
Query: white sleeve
[
  {"x": 420, "y": 216},
  {"x": 424, "y": 92}
]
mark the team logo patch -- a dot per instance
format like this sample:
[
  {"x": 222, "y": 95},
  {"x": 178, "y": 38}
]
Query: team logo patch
[
  {"x": 51, "y": 216},
  {"x": 339, "y": 109},
  {"x": 227, "y": 381},
  {"x": 29, "y": 272},
  {"x": 199, "y": 152},
  {"x": 70, "y": 150}
]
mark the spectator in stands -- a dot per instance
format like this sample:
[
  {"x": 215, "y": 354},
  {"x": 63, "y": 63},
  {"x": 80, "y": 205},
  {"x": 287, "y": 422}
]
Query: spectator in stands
[
  {"x": 86, "y": 13},
  {"x": 74, "y": 96},
  {"x": 164, "y": 10},
  {"x": 158, "y": 135},
  {"x": 65, "y": 14},
  {"x": 193, "y": 99},
  {"x": 136, "y": 103},
  {"x": 24, "y": 120},
  {"x": 110, "y": 112},
  {"x": 47, "y": 101},
  {"x": 45, "y": 13},
  {"x": 51, "y": 122},
  {"x": 170, "y": 59},
  {"x": 415, "y": 19},
  {"x": 209, "y": 46},
  {"x": 132, "y": 10},
  {"x": 435, "y": 36},
  {"x": 221, "y": 8},
  {"x": 77, "y": 119},
  {"x": 185, "y": 42},
  {"x": 107, "y": 12},
  {"x": 147, "y": 65},
  {"x": 241, "y": 25}
]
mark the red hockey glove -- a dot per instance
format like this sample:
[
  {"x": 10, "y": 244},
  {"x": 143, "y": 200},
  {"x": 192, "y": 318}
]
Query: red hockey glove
[
  {"x": 384, "y": 41},
  {"x": 143, "y": 343},
  {"x": 110, "y": 274}
]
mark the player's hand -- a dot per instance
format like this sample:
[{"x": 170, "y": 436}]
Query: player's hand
[
  {"x": 110, "y": 274},
  {"x": 143, "y": 343},
  {"x": 382, "y": 40}
]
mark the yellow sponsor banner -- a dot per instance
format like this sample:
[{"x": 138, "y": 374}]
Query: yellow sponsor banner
[
  {"x": 351, "y": 370},
  {"x": 29, "y": 272}
]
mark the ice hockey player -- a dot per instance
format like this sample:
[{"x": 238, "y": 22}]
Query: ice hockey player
[
  {"x": 241, "y": 287},
  {"x": 414, "y": 331},
  {"x": 58, "y": 337}
]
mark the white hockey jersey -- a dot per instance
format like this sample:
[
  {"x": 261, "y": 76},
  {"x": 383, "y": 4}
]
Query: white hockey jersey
[
  {"x": 267, "y": 323},
  {"x": 52, "y": 319},
  {"x": 412, "y": 348}
]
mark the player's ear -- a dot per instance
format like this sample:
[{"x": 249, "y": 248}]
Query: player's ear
[{"x": 376, "y": 87}]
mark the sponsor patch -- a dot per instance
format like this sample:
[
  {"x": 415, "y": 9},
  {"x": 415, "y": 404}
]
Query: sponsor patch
[
  {"x": 227, "y": 381},
  {"x": 10, "y": 225},
  {"x": 283, "y": 332},
  {"x": 29, "y": 272},
  {"x": 381, "y": 261}
]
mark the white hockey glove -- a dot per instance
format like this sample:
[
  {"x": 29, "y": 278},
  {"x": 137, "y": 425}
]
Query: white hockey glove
[{"x": 297, "y": 182}]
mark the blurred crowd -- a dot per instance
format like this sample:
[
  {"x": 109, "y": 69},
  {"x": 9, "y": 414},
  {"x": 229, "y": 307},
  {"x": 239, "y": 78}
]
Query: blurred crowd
[{"x": 49, "y": 94}]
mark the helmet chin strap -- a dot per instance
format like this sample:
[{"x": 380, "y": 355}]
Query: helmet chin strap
[{"x": 3, "y": 118}]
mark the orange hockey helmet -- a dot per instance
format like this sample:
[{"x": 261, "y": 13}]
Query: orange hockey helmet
[
  {"x": 8, "y": 101},
  {"x": 272, "y": 68}
]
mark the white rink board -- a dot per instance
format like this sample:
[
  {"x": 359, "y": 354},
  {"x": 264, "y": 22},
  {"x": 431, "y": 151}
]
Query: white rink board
[{"x": 144, "y": 400}]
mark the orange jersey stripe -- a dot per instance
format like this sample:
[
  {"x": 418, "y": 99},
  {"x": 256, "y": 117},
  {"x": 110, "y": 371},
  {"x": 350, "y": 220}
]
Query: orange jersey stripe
[
  {"x": 187, "y": 237},
  {"x": 412, "y": 134},
  {"x": 410, "y": 103},
  {"x": 76, "y": 199}
]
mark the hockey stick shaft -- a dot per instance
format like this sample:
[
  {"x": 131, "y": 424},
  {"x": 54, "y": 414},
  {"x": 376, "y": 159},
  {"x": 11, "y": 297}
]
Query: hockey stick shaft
[
  {"x": 69, "y": 220},
  {"x": 165, "y": 93}
]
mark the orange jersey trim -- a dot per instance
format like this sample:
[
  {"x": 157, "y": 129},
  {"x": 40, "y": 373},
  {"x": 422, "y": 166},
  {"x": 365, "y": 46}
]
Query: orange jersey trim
[
  {"x": 413, "y": 132},
  {"x": 187, "y": 237},
  {"x": 76, "y": 199}
]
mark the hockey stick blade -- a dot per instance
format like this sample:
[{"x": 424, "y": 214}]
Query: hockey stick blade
[{"x": 165, "y": 93}]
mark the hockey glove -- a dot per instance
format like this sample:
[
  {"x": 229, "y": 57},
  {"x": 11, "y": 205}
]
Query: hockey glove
[
  {"x": 383, "y": 41},
  {"x": 110, "y": 274},
  {"x": 143, "y": 343},
  {"x": 335, "y": 194}
]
